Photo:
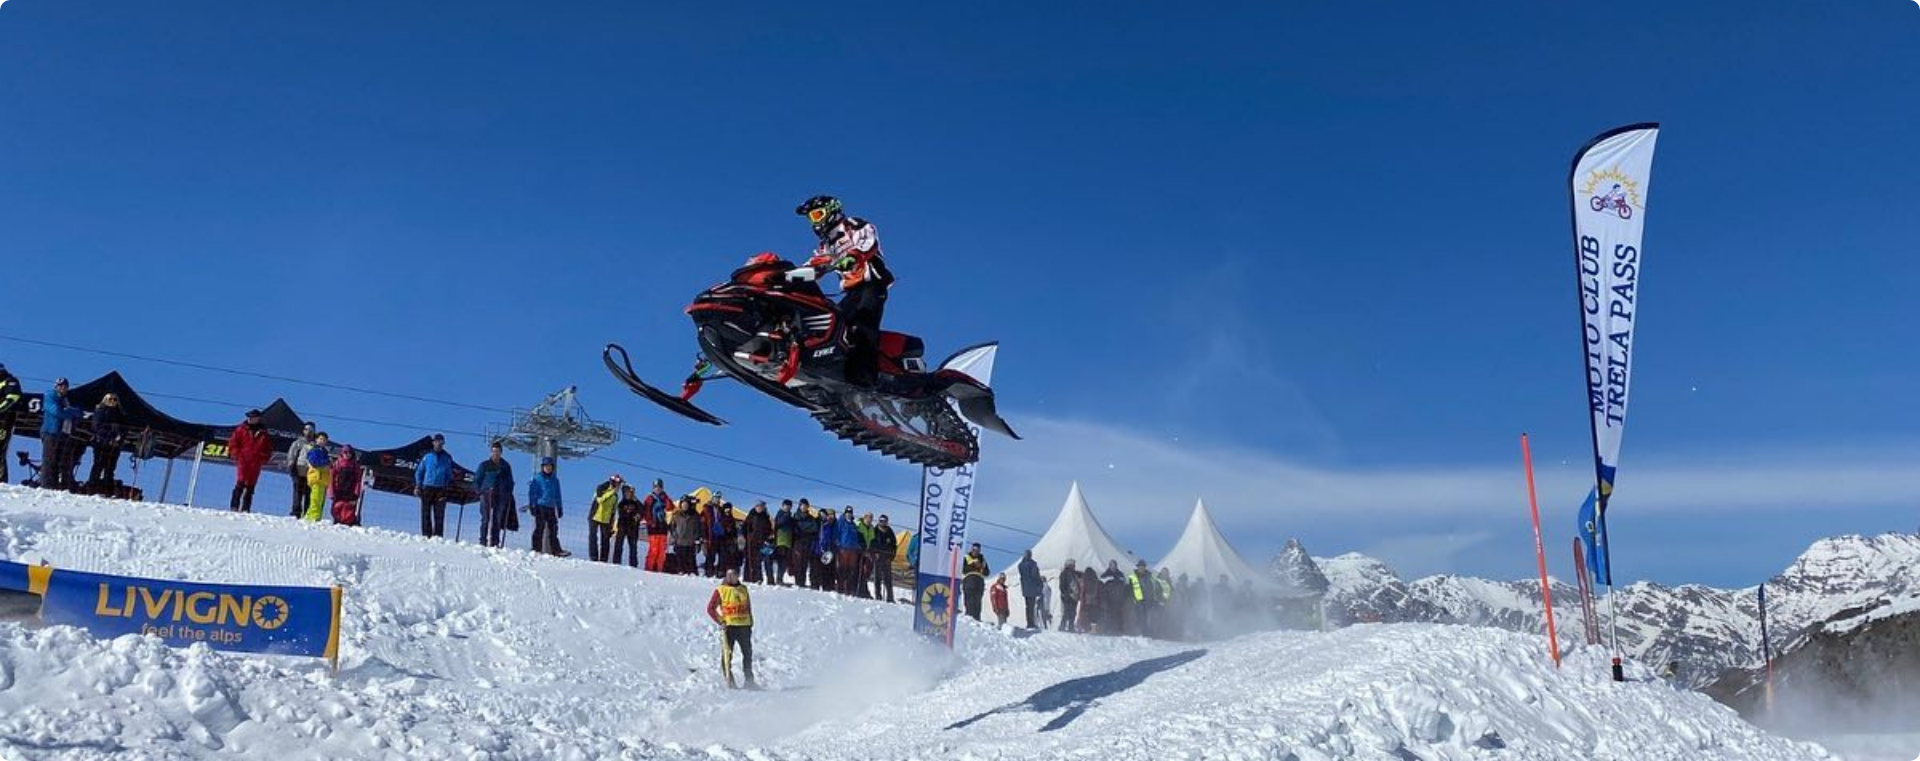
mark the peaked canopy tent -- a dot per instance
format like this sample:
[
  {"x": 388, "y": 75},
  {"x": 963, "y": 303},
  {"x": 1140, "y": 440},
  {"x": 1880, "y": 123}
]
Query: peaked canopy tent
[
  {"x": 150, "y": 433},
  {"x": 1075, "y": 535},
  {"x": 1203, "y": 553}
]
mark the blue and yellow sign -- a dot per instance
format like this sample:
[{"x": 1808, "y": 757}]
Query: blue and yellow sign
[{"x": 241, "y": 618}]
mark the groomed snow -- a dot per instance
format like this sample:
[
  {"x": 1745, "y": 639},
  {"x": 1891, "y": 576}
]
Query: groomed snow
[{"x": 452, "y": 651}]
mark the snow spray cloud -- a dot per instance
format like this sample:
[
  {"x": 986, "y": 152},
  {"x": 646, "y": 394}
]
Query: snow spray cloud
[{"x": 876, "y": 673}]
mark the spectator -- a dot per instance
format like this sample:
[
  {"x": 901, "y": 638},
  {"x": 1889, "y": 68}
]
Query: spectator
[
  {"x": 882, "y": 549},
  {"x": 1114, "y": 600},
  {"x": 710, "y": 532},
  {"x": 1140, "y": 583},
  {"x": 494, "y": 481},
  {"x": 1030, "y": 587},
  {"x": 973, "y": 580},
  {"x": 626, "y": 526},
  {"x": 864, "y": 573},
  {"x": 849, "y": 550},
  {"x": 1164, "y": 616},
  {"x": 430, "y": 480},
  {"x": 606, "y": 502},
  {"x": 1087, "y": 618},
  {"x": 57, "y": 418},
  {"x": 1069, "y": 595},
  {"x": 999, "y": 595},
  {"x": 1046, "y": 613},
  {"x": 806, "y": 540},
  {"x": 543, "y": 499},
  {"x": 106, "y": 431},
  {"x": 732, "y": 608},
  {"x": 759, "y": 535},
  {"x": 319, "y": 477},
  {"x": 729, "y": 538},
  {"x": 346, "y": 488},
  {"x": 249, "y": 447},
  {"x": 297, "y": 468},
  {"x": 655, "y": 509},
  {"x": 685, "y": 532},
  {"x": 782, "y": 542},
  {"x": 10, "y": 397},
  {"x": 828, "y": 550}
]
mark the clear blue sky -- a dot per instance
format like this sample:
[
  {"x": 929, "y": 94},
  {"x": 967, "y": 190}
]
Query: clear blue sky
[{"x": 1309, "y": 261}]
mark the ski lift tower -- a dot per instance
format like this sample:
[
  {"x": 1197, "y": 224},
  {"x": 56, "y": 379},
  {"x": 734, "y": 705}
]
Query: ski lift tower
[{"x": 557, "y": 427}]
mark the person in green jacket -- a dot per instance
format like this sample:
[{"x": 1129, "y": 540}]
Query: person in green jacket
[{"x": 606, "y": 501}]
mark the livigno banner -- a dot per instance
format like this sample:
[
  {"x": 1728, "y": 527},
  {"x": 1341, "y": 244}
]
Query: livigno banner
[{"x": 241, "y": 618}]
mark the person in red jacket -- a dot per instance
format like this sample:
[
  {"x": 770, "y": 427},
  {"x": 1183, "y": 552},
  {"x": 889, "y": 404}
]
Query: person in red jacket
[
  {"x": 998, "y": 594},
  {"x": 249, "y": 447},
  {"x": 346, "y": 488}
]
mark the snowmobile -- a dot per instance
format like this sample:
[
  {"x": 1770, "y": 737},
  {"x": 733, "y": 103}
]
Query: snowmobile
[{"x": 770, "y": 326}]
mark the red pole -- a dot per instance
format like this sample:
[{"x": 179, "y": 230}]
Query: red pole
[{"x": 1540, "y": 551}]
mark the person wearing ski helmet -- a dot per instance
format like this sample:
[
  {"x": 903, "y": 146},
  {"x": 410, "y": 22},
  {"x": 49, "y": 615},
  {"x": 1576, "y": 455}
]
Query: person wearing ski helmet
[{"x": 851, "y": 247}]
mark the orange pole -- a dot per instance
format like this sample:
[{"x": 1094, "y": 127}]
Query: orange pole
[{"x": 1540, "y": 551}]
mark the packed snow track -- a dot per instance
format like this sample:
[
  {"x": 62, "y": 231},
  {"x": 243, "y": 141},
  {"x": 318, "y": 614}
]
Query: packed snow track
[{"x": 452, "y": 651}]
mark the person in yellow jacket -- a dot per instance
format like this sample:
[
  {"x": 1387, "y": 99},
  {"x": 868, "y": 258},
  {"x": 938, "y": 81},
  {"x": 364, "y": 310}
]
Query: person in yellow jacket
[
  {"x": 319, "y": 478},
  {"x": 606, "y": 501},
  {"x": 732, "y": 609}
]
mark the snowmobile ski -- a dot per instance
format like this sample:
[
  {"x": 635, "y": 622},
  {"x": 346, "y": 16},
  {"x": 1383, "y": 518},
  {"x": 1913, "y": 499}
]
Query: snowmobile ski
[{"x": 624, "y": 371}]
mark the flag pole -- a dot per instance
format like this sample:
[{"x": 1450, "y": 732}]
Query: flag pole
[
  {"x": 1613, "y": 612},
  {"x": 1540, "y": 551}
]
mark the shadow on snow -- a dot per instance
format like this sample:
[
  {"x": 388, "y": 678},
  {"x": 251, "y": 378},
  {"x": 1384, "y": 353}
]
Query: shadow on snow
[{"x": 1078, "y": 695}]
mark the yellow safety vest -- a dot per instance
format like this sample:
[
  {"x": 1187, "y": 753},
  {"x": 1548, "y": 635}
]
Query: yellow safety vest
[
  {"x": 1134, "y": 579},
  {"x": 735, "y": 608}
]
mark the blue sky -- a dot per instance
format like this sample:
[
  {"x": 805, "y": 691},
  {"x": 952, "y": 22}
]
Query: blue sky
[{"x": 1309, "y": 261}]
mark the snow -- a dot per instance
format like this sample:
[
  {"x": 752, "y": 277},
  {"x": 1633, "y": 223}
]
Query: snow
[
  {"x": 1203, "y": 553},
  {"x": 454, "y": 651}
]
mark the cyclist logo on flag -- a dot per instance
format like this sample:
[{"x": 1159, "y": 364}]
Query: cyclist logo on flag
[{"x": 1613, "y": 192}]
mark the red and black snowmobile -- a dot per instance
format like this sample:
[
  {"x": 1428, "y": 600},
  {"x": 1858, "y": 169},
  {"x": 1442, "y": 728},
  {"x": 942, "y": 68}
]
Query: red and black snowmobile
[{"x": 770, "y": 327}]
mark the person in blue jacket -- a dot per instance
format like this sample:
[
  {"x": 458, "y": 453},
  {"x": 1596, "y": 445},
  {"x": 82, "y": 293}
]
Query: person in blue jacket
[
  {"x": 57, "y": 418},
  {"x": 431, "y": 480},
  {"x": 827, "y": 549},
  {"x": 850, "y": 545},
  {"x": 543, "y": 499}
]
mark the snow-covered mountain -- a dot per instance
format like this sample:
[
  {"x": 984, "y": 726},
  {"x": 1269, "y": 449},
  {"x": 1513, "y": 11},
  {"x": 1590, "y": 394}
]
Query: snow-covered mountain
[
  {"x": 1705, "y": 630},
  {"x": 454, "y": 651},
  {"x": 1295, "y": 573}
]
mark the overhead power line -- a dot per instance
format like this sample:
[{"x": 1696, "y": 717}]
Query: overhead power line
[{"x": 466, "y": 405}]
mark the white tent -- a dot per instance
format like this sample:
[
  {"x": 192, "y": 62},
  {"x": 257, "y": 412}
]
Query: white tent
[
  {"x": 1075, "y": 535},
  {"x": 1203, "y": 553}
]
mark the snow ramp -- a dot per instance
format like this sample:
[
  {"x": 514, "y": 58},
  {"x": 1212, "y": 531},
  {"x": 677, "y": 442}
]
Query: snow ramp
[{"x": 451, "y": 651}]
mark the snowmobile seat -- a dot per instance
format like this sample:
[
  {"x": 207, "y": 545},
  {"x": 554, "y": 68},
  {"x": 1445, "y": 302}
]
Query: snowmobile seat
[{"x": 903, "y": 351}]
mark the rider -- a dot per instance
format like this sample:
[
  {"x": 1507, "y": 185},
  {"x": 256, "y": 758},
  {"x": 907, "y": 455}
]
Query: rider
[{"x": 851, "y": 247}]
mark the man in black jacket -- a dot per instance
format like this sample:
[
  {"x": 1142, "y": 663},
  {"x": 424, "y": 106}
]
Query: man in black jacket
[
  {"x": 884, "y": 546},
  {"x": 806, "y": 533},
  {"x": 10, "y": 404},
  {"x": 1031, "y": 587}
]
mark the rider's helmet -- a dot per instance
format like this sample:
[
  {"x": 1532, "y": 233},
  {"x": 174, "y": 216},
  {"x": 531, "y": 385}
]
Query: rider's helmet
[{"x": 823, "y": 212}]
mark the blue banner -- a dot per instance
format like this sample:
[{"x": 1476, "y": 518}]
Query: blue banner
[
  {"x": 1593, "y": 537},
  {"x": 240, "y": 618}
]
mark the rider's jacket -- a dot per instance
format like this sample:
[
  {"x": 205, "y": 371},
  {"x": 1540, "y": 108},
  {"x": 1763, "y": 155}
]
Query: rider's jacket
[{"x": 853, "y": 248}]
